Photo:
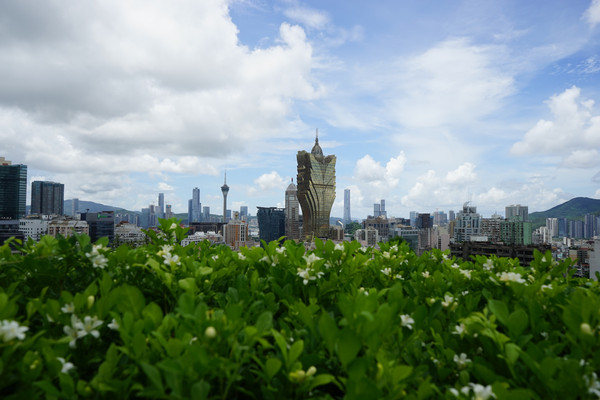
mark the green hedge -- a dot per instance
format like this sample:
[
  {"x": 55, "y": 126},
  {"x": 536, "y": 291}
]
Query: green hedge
[{"x": 203, "y": 322}]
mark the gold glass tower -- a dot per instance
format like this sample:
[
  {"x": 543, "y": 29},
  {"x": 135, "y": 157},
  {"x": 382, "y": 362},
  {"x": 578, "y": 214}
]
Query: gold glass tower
[{"x": 316, "y": 190}]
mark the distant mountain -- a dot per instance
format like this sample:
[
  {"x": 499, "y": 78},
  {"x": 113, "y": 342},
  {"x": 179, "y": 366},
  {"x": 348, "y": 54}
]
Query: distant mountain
[
  {"x": 91, "y": 207},
  {"x": 574, "y": 209}
]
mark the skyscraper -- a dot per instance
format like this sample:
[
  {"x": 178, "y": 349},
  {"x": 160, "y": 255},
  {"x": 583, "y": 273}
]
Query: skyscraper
[
  {"x": 316, "y": 189},
  {"x": 225, "y": 191},
  {"x": 13, "y": 189},
  {"x": 194, "y": 207},
  {"x": 467, "y": 223},
  {"x": 347, "y": 217},
  {"x": 161, "y": 205},
  {"x": 292, "y": 212},
  {"x": 271, "y": 223},
  {"x": 243, "y": 212},
  {"x": 47, "y": 198},
  {"x": 74, "y": 207},
  {"x": 517, "y": 210}
]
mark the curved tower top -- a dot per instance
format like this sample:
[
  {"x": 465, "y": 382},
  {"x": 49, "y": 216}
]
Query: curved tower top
[{"x": 316, "y": 150}]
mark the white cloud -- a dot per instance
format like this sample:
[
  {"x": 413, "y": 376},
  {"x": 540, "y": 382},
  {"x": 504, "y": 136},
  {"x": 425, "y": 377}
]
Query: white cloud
[
  {"x": 582, "y": 159},
  {"x": 163, "y": 186},
  {"x": 572, "y": 133},
  {"x": 432, "y": 190},
  {"x": 114, "y": 87},
  {"x": 268, "y": 182},
  {"x": 592, "y": 14},
  {"x": 372, "y": 173},
  {"x": 309, "y": 17},
  {"x": 453, "y": 83}
]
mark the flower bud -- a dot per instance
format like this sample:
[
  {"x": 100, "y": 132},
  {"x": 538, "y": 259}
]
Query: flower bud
[
  {"x": 586, "y": 328},
  {"x": 311, "y": 371},
  {"x": 210, "y": 332},
  {"x": 90, "y": 301}
]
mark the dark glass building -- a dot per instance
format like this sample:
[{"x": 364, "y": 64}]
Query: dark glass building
[
  {"x": 47, "y": 198},
  {"x": 316, "y": 190},
  {"x": 13, "y": 189},
  {"x": 101, "y": 224},
  {"x": 271, "y": 223}
]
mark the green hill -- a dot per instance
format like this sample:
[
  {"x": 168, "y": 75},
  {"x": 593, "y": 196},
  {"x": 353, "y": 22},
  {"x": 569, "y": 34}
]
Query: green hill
[{"x": 574, "y": 209}]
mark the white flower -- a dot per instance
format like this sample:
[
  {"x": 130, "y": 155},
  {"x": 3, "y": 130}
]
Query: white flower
[
  {"x": 455, "y": 266},
  {"x": 166, "y": 248},
  {"x": 171, "y": 259},
  {"x": 394, "y": 248},
  {"x": 68, "y": 308},
  {"x": 459, "y": 329},
  {"x": 511, "y": 277},
  {"x": 546, "y": 287},
  {"x": 114, "y": 325},
  {"x": 362, "y": 289},
  {"x": 11, "y": 329},
  {"x": 466, "y": 273},
  {"x": 241, "y": 256},
  {"x": 445, "y": 256},
  {"x": 489, "y": 265},
  {"x": 66, "y": 366},
  {"x": 89, "y": 325},
  {"x": 311, "y": 259},
  {"x": 72, "y": 332},
  {"x": 465, "y": 292},
  {"x": 454, "y": 392},
  {"x": 448, "y": 300},
  {"x": 339, "y": 246},
  {"x": 593, "y": 384},
  {"x": 173, "y": 226},
  {"x": 544, "y": 259},
  {"x": 216, "y": 257},
  {"x": 387, "y": 271},
  {"x": 305, "y": 275},
  {"x": 544, "y": 335},
  {"x": 425, "y": 274},
  {"x": 462, "y": 360},
  {"x": 398, "y": 276},
  {"x": 280, "y": 250},
  {"x": 482, "y": 392},
  {"x": 407, "y": 321}
]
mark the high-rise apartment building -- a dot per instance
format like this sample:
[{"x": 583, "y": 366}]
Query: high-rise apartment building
[
  {"x": 235, "y": 232},
  {"x": 243, "y": 212},
  {"x": 47, "y": 198},
  {"x": 316, "y": 189},
  {"x": 292, "y": 212},
  {"x": 13, "y": 189},
  {"x": 467, "y": 223},
  {"x": 347, "y": 216},
  {"x": 413, "y": 218},
  {"x": 517, "y": 210}
]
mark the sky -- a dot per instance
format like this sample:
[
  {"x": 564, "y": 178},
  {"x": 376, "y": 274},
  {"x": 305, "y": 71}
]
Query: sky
[{"x": 426, "y": 104}]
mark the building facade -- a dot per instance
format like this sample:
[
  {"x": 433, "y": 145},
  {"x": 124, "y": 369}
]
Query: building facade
[
  {"x": 236, "y": 233},
  {"x": 292, "y": 213},
  {"x": 47, "y": 198},
  {"x": 271, "y": 223},
  {"x": 517, "y": 210},
  {"x": 347, "y": 215},
  {"x": 101, "y": 224},
  {"x": 194, "y": 207},
  {"x": 13, "y": 189},
  {"x": 467, "y": 224},
  {"x": 316, "y": 190}
]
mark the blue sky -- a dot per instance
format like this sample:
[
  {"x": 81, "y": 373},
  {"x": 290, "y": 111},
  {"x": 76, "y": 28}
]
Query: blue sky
[{"x": 425, "y": 104}]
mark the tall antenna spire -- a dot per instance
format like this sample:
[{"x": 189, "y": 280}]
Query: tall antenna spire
[
  {"x": 225, "y": 176},
  {"x": 317, "y": 138}
]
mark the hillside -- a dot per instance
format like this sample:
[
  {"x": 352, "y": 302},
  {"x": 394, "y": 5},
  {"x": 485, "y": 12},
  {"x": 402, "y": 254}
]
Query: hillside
[
  {"x": 573, "y": 209},
  {"x": 91, "y": 206}
]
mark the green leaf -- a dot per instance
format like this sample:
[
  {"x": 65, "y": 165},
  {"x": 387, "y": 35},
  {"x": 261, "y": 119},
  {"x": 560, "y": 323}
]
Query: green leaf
[
  {"x": 264, "y": 322},
  {"x": 320, "y": 380},
  {"x": 130, "y": 298},
  {"x": 200, "y": 390},
  {"x": 517, "y": 323},
  {"x": 499, "y": 309},
  {"x": 348, "y": 346},
  {"x": 154, "y": 375},
  {"x": 295, "y": 352},
  {"x": 512, "y": 352},
  {"x": 328, "y": 330},
  {"x": 272, "y": 366},
  {"x": 401, "y": 372},
  {"x": 48, "y": 388}
]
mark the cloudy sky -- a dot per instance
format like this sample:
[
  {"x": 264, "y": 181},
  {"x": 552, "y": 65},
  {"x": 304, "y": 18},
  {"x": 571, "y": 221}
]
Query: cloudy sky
[{"x": 425, "y": 103}]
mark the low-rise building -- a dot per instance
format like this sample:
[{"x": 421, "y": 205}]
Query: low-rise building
[{"x": 67, "y": 227}]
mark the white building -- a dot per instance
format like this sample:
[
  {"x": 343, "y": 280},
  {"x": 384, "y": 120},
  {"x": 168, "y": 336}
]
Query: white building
[
  {"x": 198, "y": 237},
  {"x": 126, "y": 232},
  {"x": 34, "y": 228},
  {"x": 467, "y": 223},
  {"x": 594, "y": 257}
]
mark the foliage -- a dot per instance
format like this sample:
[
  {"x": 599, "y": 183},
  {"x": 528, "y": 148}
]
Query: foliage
[
  {"x": 351, "y": 227},
  {"x": 203, "y": 322}
]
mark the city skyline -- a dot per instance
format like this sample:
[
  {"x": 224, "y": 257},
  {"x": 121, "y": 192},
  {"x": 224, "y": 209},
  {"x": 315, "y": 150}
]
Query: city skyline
[{"x": 425, "y": 105}]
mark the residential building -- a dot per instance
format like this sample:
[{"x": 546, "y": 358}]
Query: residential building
[
  {"x": 316, "y": 189},
  {"x": 47, "y": 198},
  {"x": 127, "y": 233},
  {"x": 236, "y": 232},
  {"x": 34, "y": 228},
  {"x": 13, "y": 190},
  {"x": 195, "y": 207},
  {"x": 67, "y": 227},
  {"x": 515, "y": 231},
  {"x": 198, "y": 237},
  {"x": 74, "y": 207},
  {"x": 161, "y": 205},
  {"x": 517, "y": 210},
  {"x": 468, "y": 223},
  {"x": 271, "y": 223},
  {"x": 490, "y": 227}
]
